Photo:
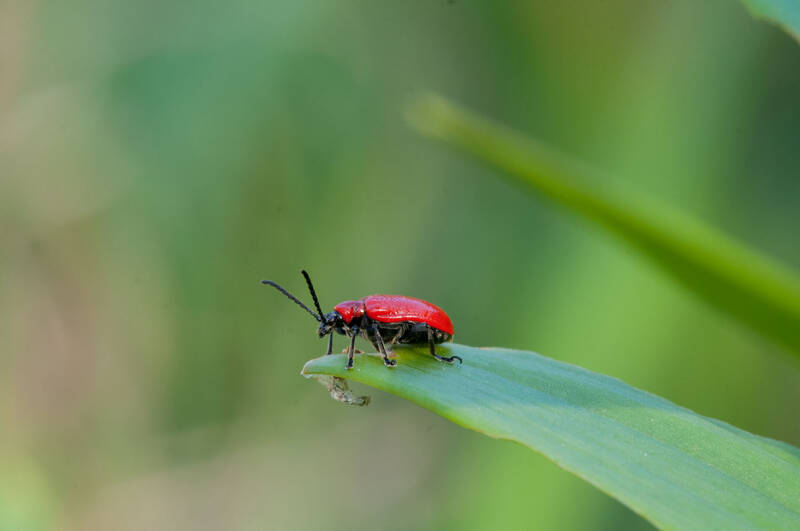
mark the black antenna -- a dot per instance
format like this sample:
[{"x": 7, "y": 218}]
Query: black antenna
[
  {"x": 295, "y": 299},
  {"x": 311, "y": 289}
]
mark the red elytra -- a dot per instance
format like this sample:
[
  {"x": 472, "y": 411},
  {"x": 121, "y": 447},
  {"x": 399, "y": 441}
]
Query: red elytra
[
  {"x": 396, "y": 309},
  {"x": 382, "y": 320}
]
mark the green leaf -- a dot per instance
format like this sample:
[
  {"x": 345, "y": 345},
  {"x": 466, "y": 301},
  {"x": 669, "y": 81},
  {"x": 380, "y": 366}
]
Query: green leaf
[
  {"x": 784, "y": 13},
  {"x": 735, "y": 279},
  {"x": 674, "y": 467}
]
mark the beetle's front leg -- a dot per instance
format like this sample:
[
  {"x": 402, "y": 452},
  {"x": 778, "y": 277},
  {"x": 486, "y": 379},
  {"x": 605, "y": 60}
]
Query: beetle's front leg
[
  {"x": 330, "y": 344},
  {"x": 350, "y": 351}
]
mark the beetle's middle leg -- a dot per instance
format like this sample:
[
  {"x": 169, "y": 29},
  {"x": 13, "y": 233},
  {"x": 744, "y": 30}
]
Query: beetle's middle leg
[
  {"x": 381, "y": 347},
  {"x": 401, "y": 330}
]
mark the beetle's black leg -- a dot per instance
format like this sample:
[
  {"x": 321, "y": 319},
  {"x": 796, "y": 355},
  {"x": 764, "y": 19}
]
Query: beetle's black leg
[
  {"x": 401, "y": 330},
  {"x": 330, "y": 344},
  {"x": 451, "y": 359},
  {"x": 352, "y": 349},
  {"x": 382, "y": 347}
]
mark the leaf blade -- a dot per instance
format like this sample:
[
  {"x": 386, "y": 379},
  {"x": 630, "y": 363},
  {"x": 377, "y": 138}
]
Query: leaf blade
[{"x": 670, "y": 465}]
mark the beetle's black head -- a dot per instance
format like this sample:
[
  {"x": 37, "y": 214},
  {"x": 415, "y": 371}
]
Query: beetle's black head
[{"x": 330, "y": 321}]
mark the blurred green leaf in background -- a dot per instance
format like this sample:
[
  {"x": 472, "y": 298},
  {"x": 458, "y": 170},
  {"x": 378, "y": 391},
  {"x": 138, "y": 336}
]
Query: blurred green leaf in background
[
  {"x": 158, "y": 159},
  {"x": 727, "y": 274},
  {"x": 785, "y": 13}
]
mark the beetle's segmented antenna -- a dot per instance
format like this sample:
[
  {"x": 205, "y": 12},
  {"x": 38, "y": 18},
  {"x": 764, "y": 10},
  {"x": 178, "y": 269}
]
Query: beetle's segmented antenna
[
  {"x": 311, "y": 289},
  {"x": 295, "y": 299}
]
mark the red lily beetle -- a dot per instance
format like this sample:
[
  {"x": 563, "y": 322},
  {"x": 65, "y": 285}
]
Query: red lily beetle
[{"x": 382, "y": 320}]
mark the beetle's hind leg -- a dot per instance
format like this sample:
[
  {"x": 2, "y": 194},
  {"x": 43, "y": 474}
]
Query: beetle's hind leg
[
  {"x": 378, "y": 340},
  {"x": 432, "y": 345}
]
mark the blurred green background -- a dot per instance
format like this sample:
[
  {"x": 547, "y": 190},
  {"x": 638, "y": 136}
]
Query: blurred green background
[{"x": 158, "y": 159}]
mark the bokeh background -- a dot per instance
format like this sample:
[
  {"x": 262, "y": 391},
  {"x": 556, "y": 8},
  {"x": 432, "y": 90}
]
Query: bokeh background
[{"x": 158, "y": 159}]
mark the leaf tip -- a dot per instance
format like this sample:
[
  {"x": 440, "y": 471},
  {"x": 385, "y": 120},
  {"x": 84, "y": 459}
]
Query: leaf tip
[{"x": 306, "y": 371}]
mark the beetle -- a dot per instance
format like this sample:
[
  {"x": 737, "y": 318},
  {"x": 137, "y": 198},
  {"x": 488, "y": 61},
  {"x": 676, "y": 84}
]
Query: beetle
[{"x": 382, "y": 320}]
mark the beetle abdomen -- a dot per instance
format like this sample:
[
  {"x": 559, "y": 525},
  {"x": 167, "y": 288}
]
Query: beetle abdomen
[
  {"x": 418, "y": 333},
  {"x": 406, "y": 333}
]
